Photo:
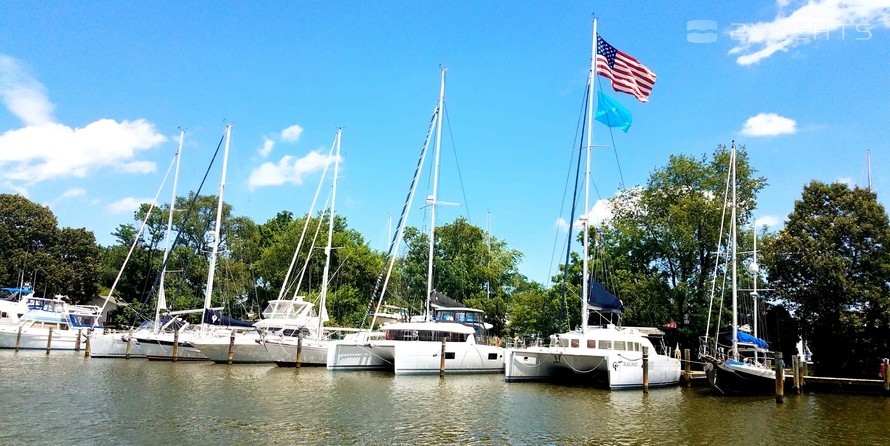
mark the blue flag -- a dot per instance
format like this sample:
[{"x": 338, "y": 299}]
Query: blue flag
[{"x": 612, "y": 113}]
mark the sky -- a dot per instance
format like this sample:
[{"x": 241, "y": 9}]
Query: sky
[{"x": 93, "y": 94}]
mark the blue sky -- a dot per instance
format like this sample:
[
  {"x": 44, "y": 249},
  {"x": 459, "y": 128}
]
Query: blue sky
[{"x": 93, "y": 94}]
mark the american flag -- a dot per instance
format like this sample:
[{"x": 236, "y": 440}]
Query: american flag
[{"x": 627, "y": 75}]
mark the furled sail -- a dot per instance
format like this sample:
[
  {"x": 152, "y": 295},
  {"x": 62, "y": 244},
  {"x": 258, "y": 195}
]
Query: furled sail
[{"x": 601, "y": 299}]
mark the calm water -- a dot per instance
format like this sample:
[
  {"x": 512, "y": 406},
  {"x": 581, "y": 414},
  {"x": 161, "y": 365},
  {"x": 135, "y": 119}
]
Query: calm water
[{"x": 63, "y": 398}]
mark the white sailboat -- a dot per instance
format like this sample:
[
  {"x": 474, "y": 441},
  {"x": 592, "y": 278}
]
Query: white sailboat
[
  {"x": 603, "y": 352},
  {"x": 417, "y": 347},
  {"x": 173, "y": 339},
  {"x": 746, "y": 368},
  {"x": 125, "y": 344}
]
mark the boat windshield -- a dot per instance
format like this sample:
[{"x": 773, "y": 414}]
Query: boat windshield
[{"x": 424, "y": 335}]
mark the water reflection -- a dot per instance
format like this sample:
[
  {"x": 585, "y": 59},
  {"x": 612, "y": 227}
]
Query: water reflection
[{"x": 66, "y": 398}]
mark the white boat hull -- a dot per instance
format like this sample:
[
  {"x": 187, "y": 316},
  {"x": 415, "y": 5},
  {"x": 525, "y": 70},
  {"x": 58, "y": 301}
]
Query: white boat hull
[
  {"x": 284, "y": 352},
  {"x": 114, "y": 345},
  {"x": 245, "y": 350},
  {"x": 160, "y": 348},
  {"x": 614, "y": 369},
  {"x": 424, "y": 357},
  {"x": 356, "y": 355},
  {"x": 36, "y": 338}
]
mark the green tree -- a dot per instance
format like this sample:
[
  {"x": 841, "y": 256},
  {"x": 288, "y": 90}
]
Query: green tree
[
  {"x": 831, "y": 262},
  {"x": 663, "y": 237}
]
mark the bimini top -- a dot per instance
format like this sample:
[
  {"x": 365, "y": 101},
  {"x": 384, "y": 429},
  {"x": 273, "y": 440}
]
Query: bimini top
[
  {"x": 602, "y": 300},
  {"x": 749, "y": 339}
]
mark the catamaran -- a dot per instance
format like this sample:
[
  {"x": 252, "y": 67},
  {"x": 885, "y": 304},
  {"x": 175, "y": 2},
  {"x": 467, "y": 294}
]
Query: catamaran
[
  {"x": 602, "y": 352},
  {"x": 416, "y": 347}
]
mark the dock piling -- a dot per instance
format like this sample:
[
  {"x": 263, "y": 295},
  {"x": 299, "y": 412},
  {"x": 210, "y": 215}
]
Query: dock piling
[
  {"x": 795, "y": 369},
  {"x": 231, "y": 348},
  {"x": 688, "y": 369},
  {"x": 175, "y": 345},
  {"x": 645, "y": 369},
  {"x": 780, "y": 379},
  {"x": 129, "y": 344},
  {"x": 18, "y": 339},
  {"x": 77, "y": 342},
  {"x": 442, "y": 359},
  {"x": 886, "y": 375},
  {"x": 49, "y": 340},
  {"x": 87, "y": 352},
  {"x": 299, "y": 352}
]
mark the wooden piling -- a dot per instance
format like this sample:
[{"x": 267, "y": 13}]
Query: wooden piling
[
  {"x": 886, "y": 375},
  {"x": 688, "y": 370},
  {"x": 795, "y": 369},
  {"x": 231, "y": 348},
  {"x": 77, "y": 342},
  {"x": 129, "y": 344},
  {"x": 780, "y": 379},
  {"x": 299, "y": 352},
  {"x": 442, "y": 359},
  {"x": 87, "y": 351},
  {"x": 49, "y": 340},
  {"x": 645, "y": 369},
  {"x": 175, "y": 345},
  {"x": 18, "y": 339}
]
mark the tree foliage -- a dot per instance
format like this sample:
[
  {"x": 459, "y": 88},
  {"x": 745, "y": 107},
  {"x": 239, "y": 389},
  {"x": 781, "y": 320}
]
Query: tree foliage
[{"x": 832, "y": 263}]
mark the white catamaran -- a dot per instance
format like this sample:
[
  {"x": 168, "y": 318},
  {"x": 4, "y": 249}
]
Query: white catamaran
[
  {"x": 417, "y": 347},
  {"x": 601, "y": 353}
]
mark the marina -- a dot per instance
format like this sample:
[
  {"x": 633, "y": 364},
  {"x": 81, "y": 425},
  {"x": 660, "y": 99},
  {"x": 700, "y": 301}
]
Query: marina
[{"x": 64, "y": 397}]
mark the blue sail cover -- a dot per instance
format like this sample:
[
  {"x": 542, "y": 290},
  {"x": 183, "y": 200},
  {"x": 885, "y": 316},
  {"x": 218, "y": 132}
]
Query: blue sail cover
[
  {"x": 215, "y": 318},
  {"x": 745, "y": 337},
  {"x": 602, "y": 300}
]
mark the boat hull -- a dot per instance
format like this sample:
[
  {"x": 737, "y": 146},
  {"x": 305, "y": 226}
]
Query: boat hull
[
  {"x": 161, "y": 349},
  {"x": 36, "y": 338},
  {"x": 114, "y": 345},
  {"x": 737, "y": 378},
  {"x": 246, "y": 350},
  {"x": 590, "y": 366},
  {"x": 358, "y": 355},
  {"x": 284, "y": 353},
  {"x": 424, "y": 357}
]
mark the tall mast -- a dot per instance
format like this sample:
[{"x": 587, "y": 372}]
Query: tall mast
[
  {"x": 584, "y": 220},
  {"x": 162, "y": 298},
  {"x": 322, "y": 309},
  {"x": 735, "y": 302},
  {"x": 868, "y": 162},
  {"x": 432, "y": 198},
  {"x": 754, "y": 269},
  {"x": 217, "y": 228}
]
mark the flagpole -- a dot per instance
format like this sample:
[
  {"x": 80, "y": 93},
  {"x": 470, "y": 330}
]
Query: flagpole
[{"x": 586, "y": 221}]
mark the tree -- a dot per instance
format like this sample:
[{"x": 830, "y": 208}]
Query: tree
[
  {"x": 831, "y": 262},
  {"x": 663, "y": 237}
]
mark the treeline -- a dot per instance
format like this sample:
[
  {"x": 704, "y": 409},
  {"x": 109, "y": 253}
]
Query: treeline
[{"x": 828, "y": 269}]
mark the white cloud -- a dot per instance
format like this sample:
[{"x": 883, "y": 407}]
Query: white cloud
[
  {"x": 268, "y": 144},
  {"x": 287, "y": 170},
  {"x": 599, "y": 215},
  {"x": 50, "y": 151},
  {"x": 44, "y": 149},
  {"x": 562, "y": 224},
  {"x": 292, "y": 133},
  {"x": 767, "y": 220},
  {"x": 70, "y": 193},
  {"x": 126, "y": 205},
  {"x": 817, "y": 19},
  {"x": 23, "y": 95},
  {"x": 846, "y": 180},
  {"x": 769, "y": 124}
]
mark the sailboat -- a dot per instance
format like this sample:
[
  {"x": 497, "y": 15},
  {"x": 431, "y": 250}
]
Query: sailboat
[
  {"x": 124, "y": 345},
  {"x": 453, "y": 337},
  {"x": 285, "y": 321},
  {"x": 746, "y": 368},
  {"x": 172, "y": 340},
  {"x": 602, "y": 352}
]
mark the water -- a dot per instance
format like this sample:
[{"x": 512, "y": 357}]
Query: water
[{"x": 64, "y": 398}]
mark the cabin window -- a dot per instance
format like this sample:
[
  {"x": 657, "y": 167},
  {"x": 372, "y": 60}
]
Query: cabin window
[
  {"x": 425, "y": 335},
  {"x": 449, "y": 355},
  {"x": 492, "y": 356},
  {"x": 575, "y": 343},
  {"x": 620, "y": 345},
  {"x": 563, "y": 342},
  {"x": 591, "y": 343},
  {"x": 605, "y": 345},
  {"x": 633, "y": 346},
  {"x": 3, "y": 314}
]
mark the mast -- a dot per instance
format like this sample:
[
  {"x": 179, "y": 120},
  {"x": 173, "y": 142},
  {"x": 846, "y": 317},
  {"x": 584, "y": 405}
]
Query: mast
[
  {"x": 432, "y": 198},
  {"x": 162, "y": 299},
  {"x": 216, "y": 231},
  {"x": 868, "y": 162},
  {"x": 735, "y": 301},
  {"x": 322, "y": 309},
  {"x": 585, "y": 220}
]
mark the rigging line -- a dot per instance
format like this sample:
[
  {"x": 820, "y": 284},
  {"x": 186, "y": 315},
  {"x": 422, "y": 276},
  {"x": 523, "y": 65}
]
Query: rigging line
[
  {"x": 182, "y": 226},
  {"x": 563, "y": 309},
  {"x": 612, "y": 135},
  {"x": 457, "y": 163}
]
